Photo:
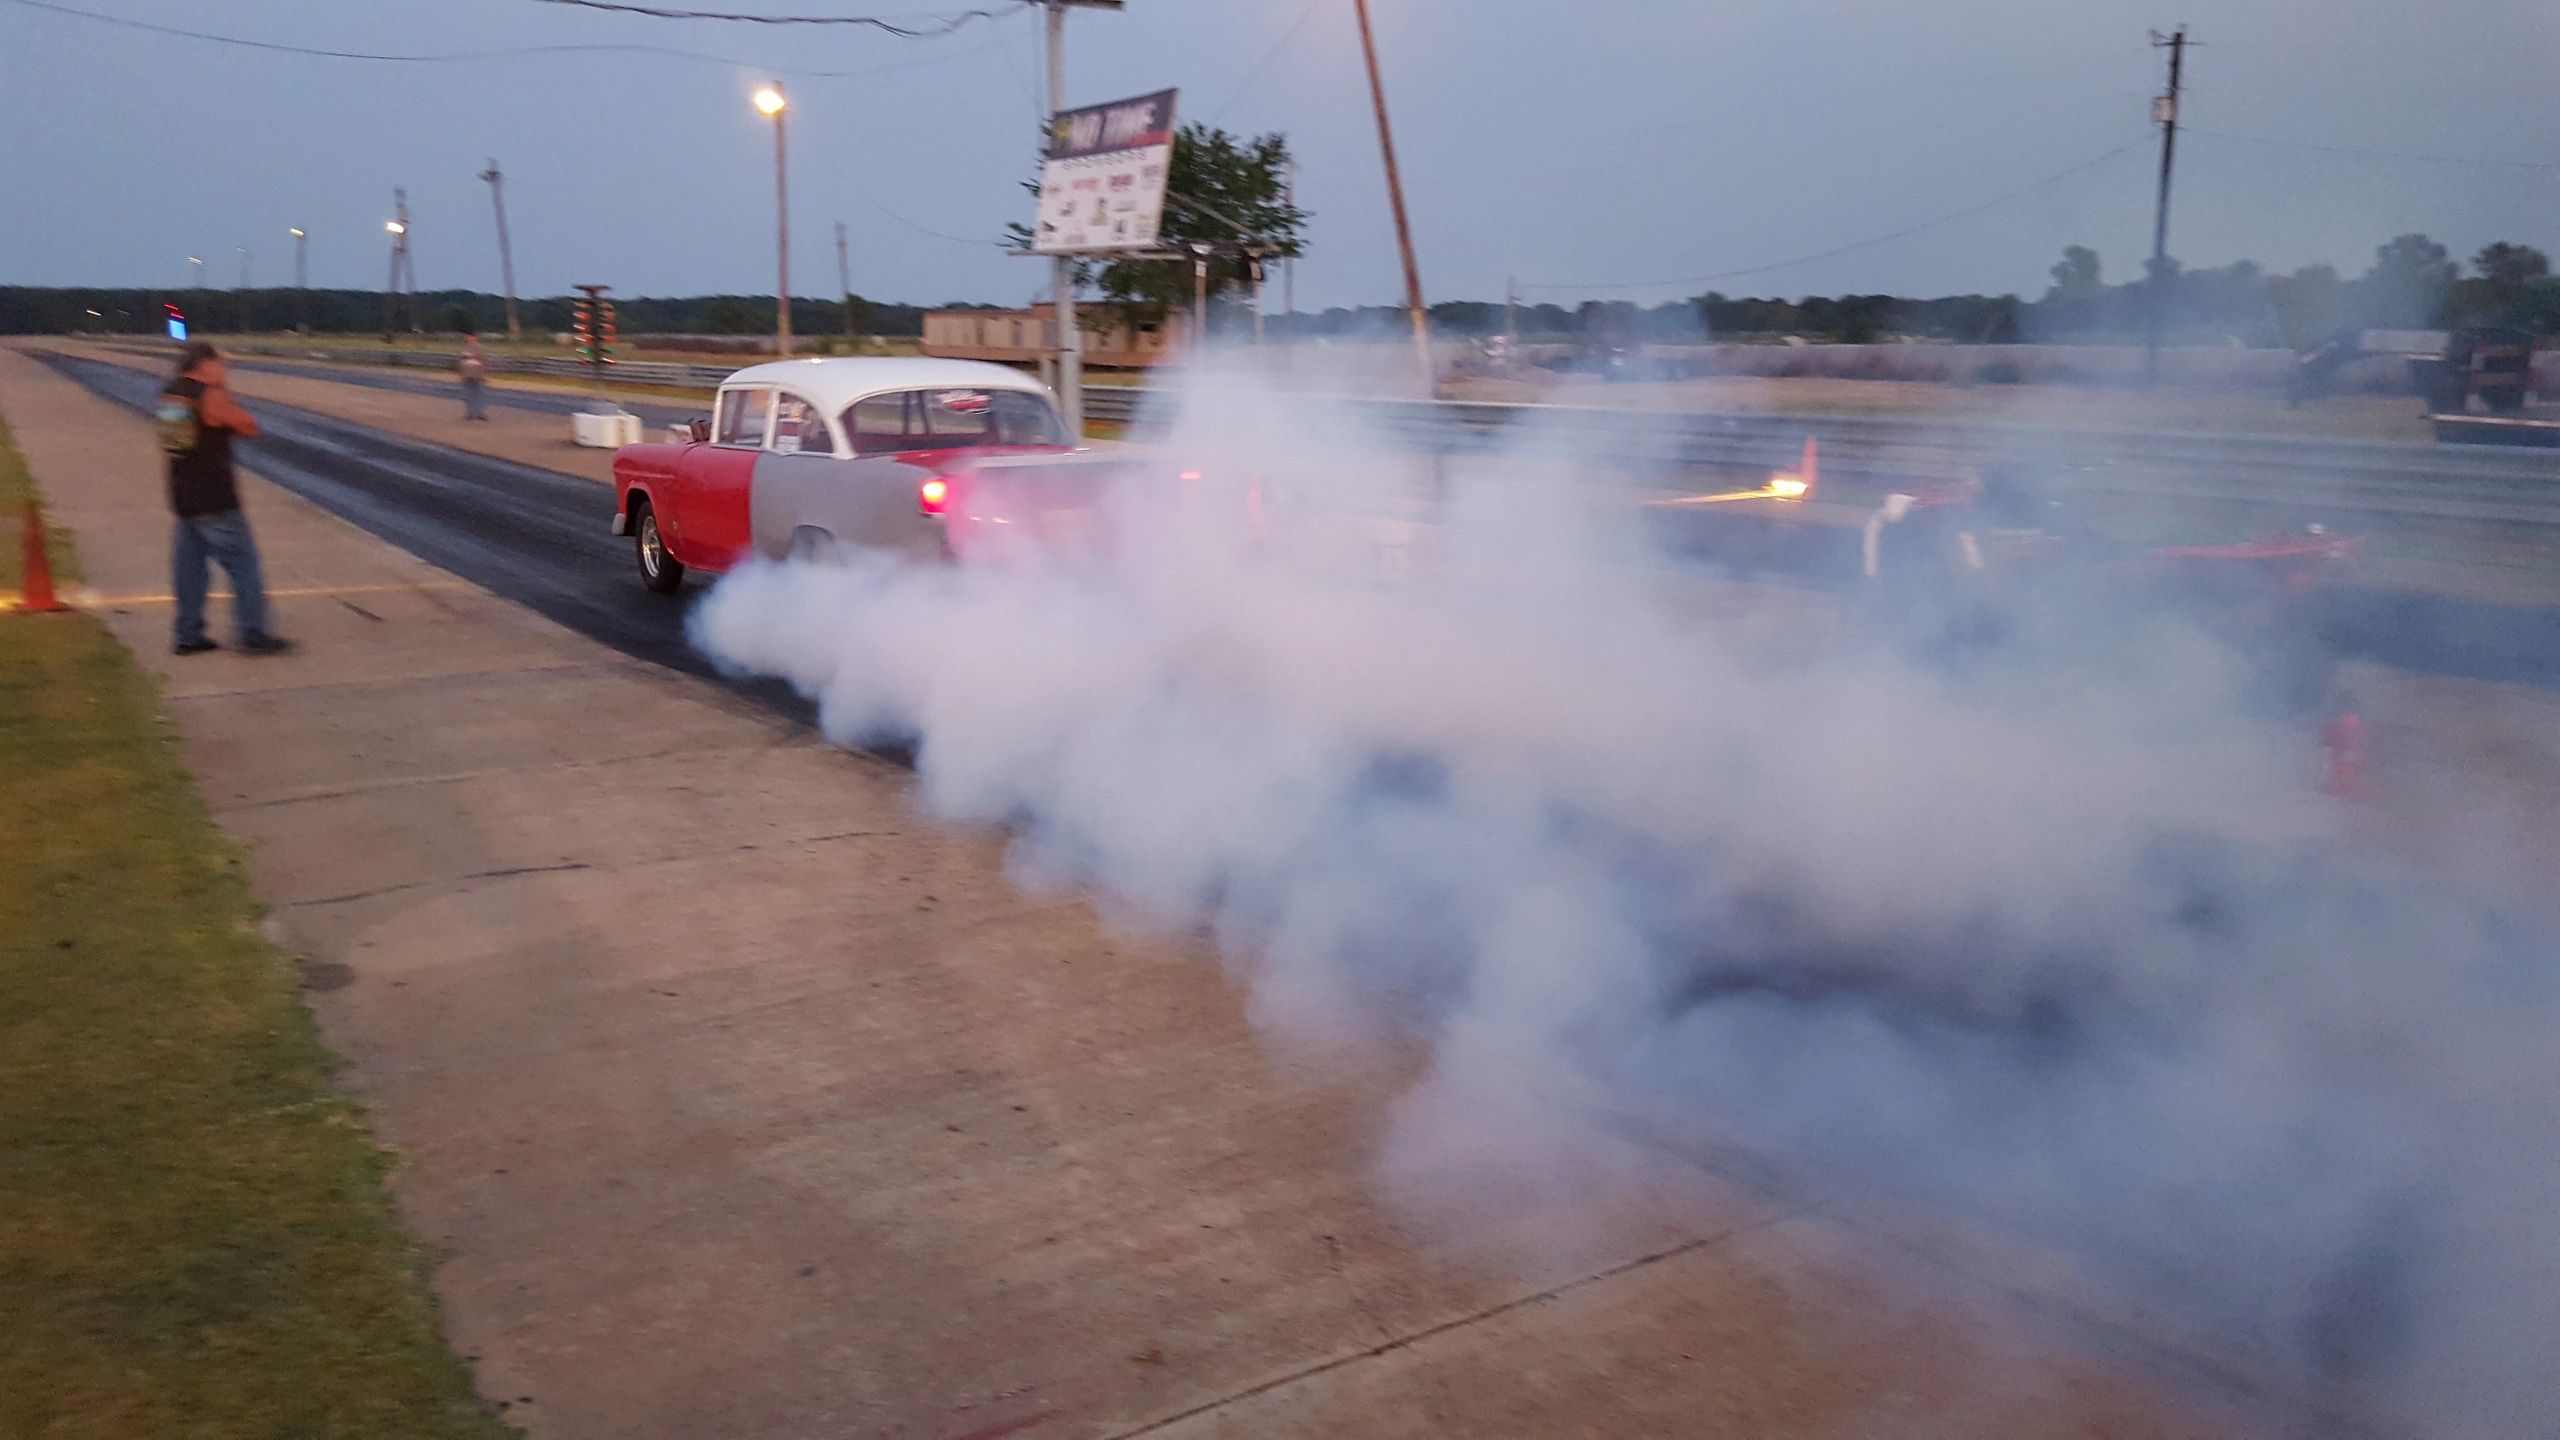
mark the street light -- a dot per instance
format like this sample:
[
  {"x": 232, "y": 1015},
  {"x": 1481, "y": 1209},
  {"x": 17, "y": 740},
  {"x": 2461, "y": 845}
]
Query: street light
[
  {"x": 301, "y": 280},
  {"x": 770, "y": 104}
]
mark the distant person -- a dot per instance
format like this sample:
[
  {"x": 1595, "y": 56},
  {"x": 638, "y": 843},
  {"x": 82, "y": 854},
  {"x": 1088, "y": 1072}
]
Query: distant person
[
  {"x": 473, "y": 367},
  {"x": 197, "y": 419}
]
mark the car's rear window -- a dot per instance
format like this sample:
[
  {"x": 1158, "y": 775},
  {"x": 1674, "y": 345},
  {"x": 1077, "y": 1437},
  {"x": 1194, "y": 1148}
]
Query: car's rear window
[
  {"x": 946, "y": 419},
  {"x": 742, "y": 416}
]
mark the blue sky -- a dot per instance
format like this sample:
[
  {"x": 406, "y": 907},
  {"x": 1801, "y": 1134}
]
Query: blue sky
[{"x": 1607, "y": 142}]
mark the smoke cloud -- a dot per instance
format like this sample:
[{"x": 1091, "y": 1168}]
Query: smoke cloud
[{"x": 2052, "y": 939}]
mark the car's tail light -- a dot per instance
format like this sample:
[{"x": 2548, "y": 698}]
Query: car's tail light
[{"x": 933, "y": 497}]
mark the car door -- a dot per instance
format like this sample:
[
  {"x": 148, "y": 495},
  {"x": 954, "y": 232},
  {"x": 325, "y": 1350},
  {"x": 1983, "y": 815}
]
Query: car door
[
  {"x": 710, "y": 526},
  {"x": 796, "y": 478},
  {"x": 861, "y": 493}
]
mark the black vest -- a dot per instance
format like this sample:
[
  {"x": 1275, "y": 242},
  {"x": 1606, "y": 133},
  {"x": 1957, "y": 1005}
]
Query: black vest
[{"x": 200, "y": 480}]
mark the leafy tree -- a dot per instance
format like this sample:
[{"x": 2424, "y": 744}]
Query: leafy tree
[
  {"x": 2509, "y": 266},
  {"x": 2077, "y": 275},
  {"x": 2307, "y": 306},
  {"x": 2408, "y": 282},
  {"x": 1219, "y": 191}
]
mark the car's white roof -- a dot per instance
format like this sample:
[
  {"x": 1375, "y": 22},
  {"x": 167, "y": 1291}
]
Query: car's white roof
[{"x": 832, "y": 384}]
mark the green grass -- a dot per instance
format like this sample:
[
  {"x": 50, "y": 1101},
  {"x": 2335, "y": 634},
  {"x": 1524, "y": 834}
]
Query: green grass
[{"x": 195, "y": 1240}]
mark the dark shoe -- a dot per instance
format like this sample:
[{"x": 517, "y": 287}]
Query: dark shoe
[
  {"x": 265, "y": 644},
  {"x": 193, "y": 647}
]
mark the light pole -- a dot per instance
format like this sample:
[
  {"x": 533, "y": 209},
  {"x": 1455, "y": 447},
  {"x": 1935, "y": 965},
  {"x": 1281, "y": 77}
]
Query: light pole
[
  {"x": 506, "y": 256},
  {"x": 402, "y": 266},
  {"x": 243, "y": 292},
  {"x": 195, "y": 285},
  {"x": 844, "y": 285},
  {"x": 769, "y": 100},
  {"x": 301, "y": 281}
]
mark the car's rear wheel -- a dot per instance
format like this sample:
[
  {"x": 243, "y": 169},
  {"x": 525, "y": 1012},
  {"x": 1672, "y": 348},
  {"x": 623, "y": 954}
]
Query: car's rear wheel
[{"x": 659, "y": 570}]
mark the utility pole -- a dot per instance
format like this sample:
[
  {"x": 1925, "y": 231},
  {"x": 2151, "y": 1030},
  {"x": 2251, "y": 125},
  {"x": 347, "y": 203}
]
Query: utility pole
[
  {"x": 2165, "y": 111},
  {"x": 1199, "y": 297},
  {"x": 1395, "y": 200},
  {"x": 242, "y": 293},
  {"x": 506, "y": 258},
  {"x": 1289, "y": 263},
  {"x": 1510, "y": 317},
  {"x": 844, "y": 284},
  {"x": 301, "y": 281},
  {"x": 402, "y": 267},
  {"x": 1062, "y": 282},
  {"x": 1253, "y": 258}
]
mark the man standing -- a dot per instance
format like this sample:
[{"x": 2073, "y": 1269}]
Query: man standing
[
  {"x": 197, "y": 419},
  {"x": 474, "y": 369}
]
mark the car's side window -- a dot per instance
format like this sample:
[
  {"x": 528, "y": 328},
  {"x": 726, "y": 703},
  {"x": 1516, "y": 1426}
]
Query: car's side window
[
  {"x": 743, "y": 413},
  {"x": 799, "y": 427},
  {"x": 877, "y": 425}
]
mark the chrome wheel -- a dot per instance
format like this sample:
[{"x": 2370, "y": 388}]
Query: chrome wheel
[
  {"x": 653, "y": 551},
  {"x": 660, "y": 571}
]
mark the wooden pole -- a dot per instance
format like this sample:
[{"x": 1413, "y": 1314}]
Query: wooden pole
[{"x": 1395, "y": 200}]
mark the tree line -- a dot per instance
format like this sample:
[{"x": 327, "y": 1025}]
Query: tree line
[
  {"x": 2412, "y": 283},
  {"x": 30, "y": 310}
]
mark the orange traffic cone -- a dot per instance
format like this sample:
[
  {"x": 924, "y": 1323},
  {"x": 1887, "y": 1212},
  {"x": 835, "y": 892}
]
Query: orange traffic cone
[
  {"x": 2344, "y": 740},
  {"x": 39, "y": 594}
]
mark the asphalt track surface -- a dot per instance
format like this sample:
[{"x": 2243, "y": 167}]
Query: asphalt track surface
[
  {"x": 543, "y": 539},
  {"x": 656, "y": 414},
  {"x": 537, "y": 537}
]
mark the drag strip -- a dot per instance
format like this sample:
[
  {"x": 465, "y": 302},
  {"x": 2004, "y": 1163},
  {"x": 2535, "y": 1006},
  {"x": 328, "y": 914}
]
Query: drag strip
[
  {"x": 542, "y": 539},
  {"x": 537, "y": 537},
  {"x": 542, "y": 402}
]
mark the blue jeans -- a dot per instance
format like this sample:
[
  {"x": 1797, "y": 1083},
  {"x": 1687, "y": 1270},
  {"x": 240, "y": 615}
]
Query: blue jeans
[
  {"x": 475, "y": 399},
  {"x": 223, "y": 538}
]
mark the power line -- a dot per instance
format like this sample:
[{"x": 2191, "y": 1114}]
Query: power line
[
  {"x": 2378, "y": 154},
  {"x": 1286, "y": 40},
  {"x": 927, "y": 229},
  {"x": 491, "y": 54},
  {"x": 944, "y": 26},
  {"x": 1874, "y": 240}
]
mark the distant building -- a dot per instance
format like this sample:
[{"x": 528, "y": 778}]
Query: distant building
[{"x": 1113, "y": 338}]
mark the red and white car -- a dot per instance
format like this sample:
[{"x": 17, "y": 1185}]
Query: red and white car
[{"x": 934, "y": 459}]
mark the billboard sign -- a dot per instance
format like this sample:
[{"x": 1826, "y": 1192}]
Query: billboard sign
[{"x": 1103, "y": 185}]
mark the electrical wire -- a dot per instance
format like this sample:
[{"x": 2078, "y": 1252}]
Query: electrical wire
[
  {"x": 492, "y": 54},
  {"x": 927, "y": 229},
  {"x": 1245, "y": 84},
  {"x": 887, "y": 26},
  {"x": 2373, "y": 154},
  {"x": 1871, "y": 241}
]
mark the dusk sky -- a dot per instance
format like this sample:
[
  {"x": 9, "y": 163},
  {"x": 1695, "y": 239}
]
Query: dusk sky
[{"x": 1607, "y": 142}]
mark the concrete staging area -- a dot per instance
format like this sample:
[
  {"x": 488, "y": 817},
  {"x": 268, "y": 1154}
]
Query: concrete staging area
[{"x": 745, "y": 1102}]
